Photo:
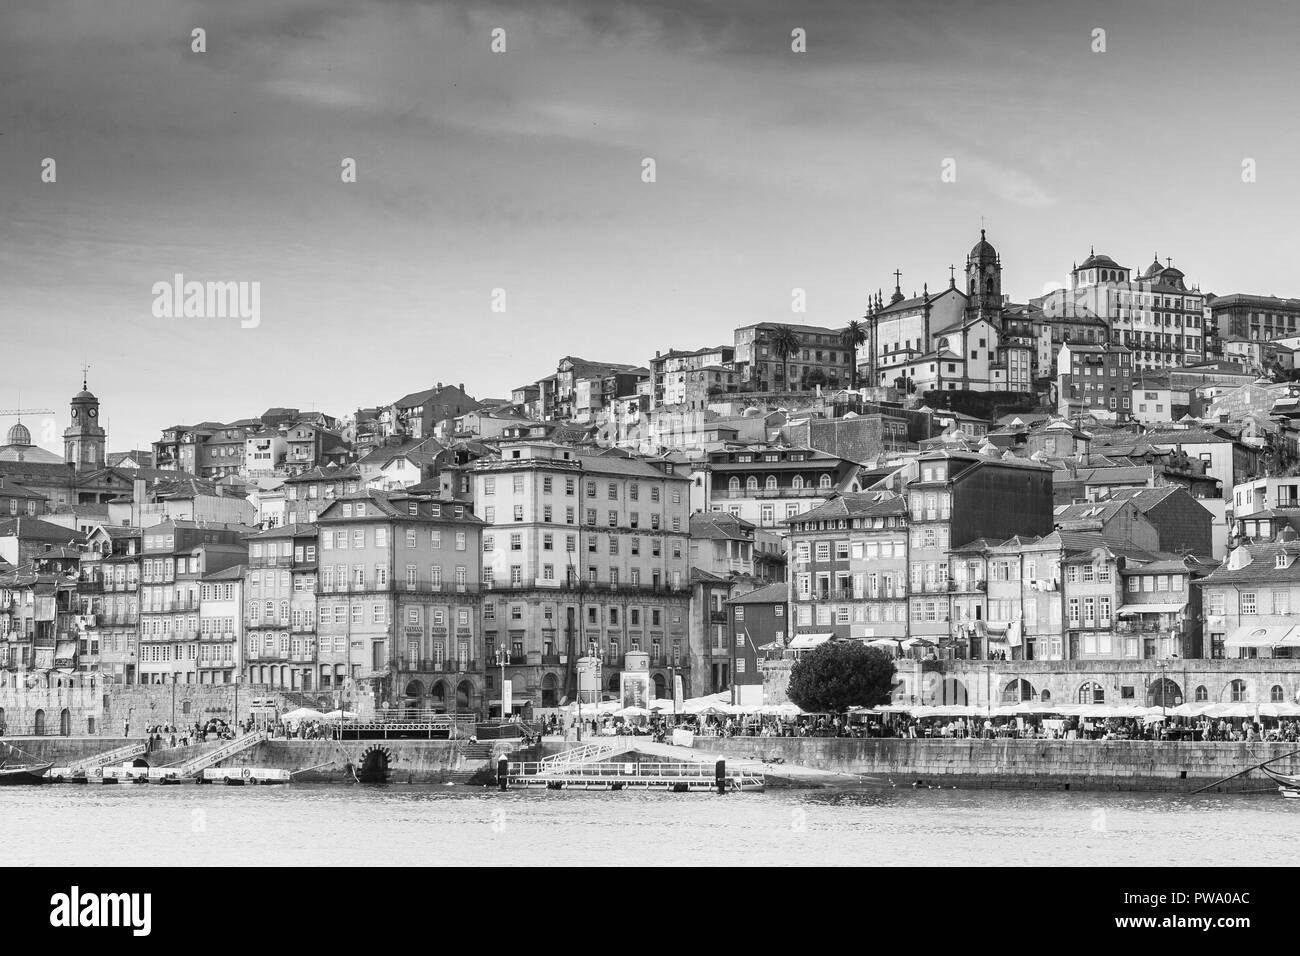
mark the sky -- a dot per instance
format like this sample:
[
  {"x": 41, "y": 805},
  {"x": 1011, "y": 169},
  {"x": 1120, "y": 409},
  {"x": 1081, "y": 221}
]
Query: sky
[{"x": 522, "y": 171}]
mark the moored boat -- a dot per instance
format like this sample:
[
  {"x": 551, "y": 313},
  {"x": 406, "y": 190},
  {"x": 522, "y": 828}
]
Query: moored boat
[
  {"x": 1288, "y": 784},
  {"x": 12, "y": 774}
]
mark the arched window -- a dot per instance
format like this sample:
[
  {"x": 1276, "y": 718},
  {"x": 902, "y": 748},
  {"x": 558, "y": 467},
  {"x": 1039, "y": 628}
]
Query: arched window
[
  {"x": 1017, "y": 691},
  {"x": 1092, "y": 693},
  {"x": 1276, "y": 694},
  {"x": 1202, "y": 695},
  {"x": 1045, "y": 696},
  {"x": 751, "y": 484},
  {"x": 770, "y": 484},
  {"x": 826, "y": 481},
  {"x": 1237, "y": 691},
  {"x": 1164, "y": 693},
  {"x": 797, "y": 484},
  {"x": 733, "y": 486}
]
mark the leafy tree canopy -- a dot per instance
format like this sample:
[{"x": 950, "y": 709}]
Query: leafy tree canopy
[{"x": 839, "y": 675}]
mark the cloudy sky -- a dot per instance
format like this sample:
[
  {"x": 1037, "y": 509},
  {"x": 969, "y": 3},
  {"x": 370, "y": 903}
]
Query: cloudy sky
[{"x": 522, "y": 171}]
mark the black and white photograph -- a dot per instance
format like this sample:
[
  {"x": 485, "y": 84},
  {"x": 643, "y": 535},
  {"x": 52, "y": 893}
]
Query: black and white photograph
[{"x": 729, "y": 434}]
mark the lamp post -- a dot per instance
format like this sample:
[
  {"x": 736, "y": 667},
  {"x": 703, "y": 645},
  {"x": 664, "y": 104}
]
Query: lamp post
[{"x": 503, "y": 658}]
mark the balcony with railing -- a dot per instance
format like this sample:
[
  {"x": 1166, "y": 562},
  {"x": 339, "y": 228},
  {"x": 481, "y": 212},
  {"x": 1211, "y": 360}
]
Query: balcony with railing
[
  {"x": 587, "y": 586},
  {"x": 424, "y": 665},
  {"x": 219, "y": 663},
  {"x": 804, "y": 492}
]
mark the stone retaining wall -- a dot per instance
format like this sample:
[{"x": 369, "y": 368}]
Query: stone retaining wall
[{"x": 1022, "y": 764}]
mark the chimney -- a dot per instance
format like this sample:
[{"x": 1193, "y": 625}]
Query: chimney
[
  {"x": 461, "y": 386},
  {"x": 440, "y": 384}
]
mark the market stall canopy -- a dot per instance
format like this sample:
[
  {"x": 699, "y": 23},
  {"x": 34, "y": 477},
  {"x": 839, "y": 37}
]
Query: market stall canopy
[
  {"x": 805, "y": 642},
  {"x": 1252, "y": 635},
  {"x": 1130, "y": 610},
  {"x": 340, "y": 715}
]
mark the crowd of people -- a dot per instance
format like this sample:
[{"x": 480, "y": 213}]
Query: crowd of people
[{"x": 168, "y": 735}]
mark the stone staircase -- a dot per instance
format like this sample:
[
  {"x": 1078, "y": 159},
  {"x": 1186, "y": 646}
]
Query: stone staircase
[{"x": 478, "y": 751}]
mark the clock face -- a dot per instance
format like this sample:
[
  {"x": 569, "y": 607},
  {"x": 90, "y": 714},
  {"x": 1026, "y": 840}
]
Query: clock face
[
  {"x": 94, "y": 412},
  {"x": 74, "y": 414}
]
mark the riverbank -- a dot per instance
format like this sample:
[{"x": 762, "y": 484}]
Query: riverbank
[{"x": 818, "y": 762}]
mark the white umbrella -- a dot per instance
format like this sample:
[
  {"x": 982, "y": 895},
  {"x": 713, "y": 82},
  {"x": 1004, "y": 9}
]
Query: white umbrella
[
  {"x": 340, "y": 715},
  {"x": 632, "y": 712},
  {"x": 302, "y": 713}
]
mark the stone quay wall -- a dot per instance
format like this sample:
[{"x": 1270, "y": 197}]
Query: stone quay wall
[
  {"x": 408, "y": 761},
  {"x": 1022, "y": 764},
  {"x": 86, "y": 705}
]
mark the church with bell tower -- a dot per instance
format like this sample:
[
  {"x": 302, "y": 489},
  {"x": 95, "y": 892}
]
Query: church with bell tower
[
  {"x": 952, "y": 340},
  {"x": 84, "y": 439}
]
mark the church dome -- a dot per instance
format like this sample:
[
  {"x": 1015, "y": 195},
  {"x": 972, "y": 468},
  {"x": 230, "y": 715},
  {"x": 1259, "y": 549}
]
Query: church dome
[
  {"x": 983, "y": 249},
  {"x": 19, "y": 435},
  {"x": 1097, "y": 260},
  {"x": 84, "y": 396}
]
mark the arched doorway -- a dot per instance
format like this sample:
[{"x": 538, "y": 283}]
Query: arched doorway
[
  {"x": 661, "y": 687},
  {"x": 65, "y": 723},
  {"x": 1235, "y": 692},
  {"x": 1017, "y": 692},
  {"x": 374, "y": 766},
  {"x": 1091, "y": 693},
  {"x": 949, "y": 691},
  {"x": 438, "y": 695},
  {"x": 464, "y": 697},
  {"x": 1164, "y": 693},
  {"x": 38, "y": 725},
  {"x": 614, "y": 683},
  {"x": 549, "y": 696}
]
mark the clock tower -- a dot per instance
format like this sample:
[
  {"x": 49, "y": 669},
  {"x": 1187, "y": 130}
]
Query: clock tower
[{"x": 83, "y": 440}]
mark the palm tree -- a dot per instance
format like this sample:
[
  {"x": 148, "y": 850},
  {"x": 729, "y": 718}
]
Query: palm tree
[
  {"x": 784, "y": 343},
  {"x": 855, "y": 334}
]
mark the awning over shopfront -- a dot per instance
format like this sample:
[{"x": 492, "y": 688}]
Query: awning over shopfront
[
  {"x": 1132, "y": 610},
  {"x": 65, "y": 651},
  {"x": 805, "y": 642},
  {"x": 1254, "y": 636}
]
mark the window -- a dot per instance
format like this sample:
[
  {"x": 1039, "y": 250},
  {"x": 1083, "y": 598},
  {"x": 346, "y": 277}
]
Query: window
[{"x": 1248, "y": 602}]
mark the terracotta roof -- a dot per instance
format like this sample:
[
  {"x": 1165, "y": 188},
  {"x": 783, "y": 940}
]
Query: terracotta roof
[{"x": 778, "y": 593}]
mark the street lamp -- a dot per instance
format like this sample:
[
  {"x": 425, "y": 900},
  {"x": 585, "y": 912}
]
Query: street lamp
[{"x": 503, "y": 658}]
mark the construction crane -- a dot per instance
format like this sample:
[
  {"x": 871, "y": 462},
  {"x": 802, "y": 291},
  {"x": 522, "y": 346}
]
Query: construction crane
[{"x": 20, "y": 412}]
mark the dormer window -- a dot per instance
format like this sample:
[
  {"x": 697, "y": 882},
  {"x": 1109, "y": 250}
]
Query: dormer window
[{"x": 1280, "y": 561}]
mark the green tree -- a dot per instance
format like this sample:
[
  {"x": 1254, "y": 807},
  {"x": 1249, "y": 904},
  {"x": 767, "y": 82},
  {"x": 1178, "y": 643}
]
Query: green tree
[
  {"x": 855, "y": 335},
  {"x": 839, "y": 675},
  {"x": 784, "y": 343}
]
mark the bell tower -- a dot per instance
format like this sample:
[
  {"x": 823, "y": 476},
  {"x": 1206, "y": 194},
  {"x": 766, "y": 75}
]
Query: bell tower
[
  {"x": 84, "y": 438},
  {"x": 984, "y": 278}
]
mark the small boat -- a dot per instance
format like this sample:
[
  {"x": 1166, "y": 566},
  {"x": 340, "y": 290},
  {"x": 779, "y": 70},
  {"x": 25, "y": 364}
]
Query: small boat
[
  {"x": 23, "y": 773},
  {"x": 1288, "y": 784}
]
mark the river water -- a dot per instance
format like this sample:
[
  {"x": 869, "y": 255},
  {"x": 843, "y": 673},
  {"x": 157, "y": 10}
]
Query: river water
[{"x": 324, "y": 824}]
